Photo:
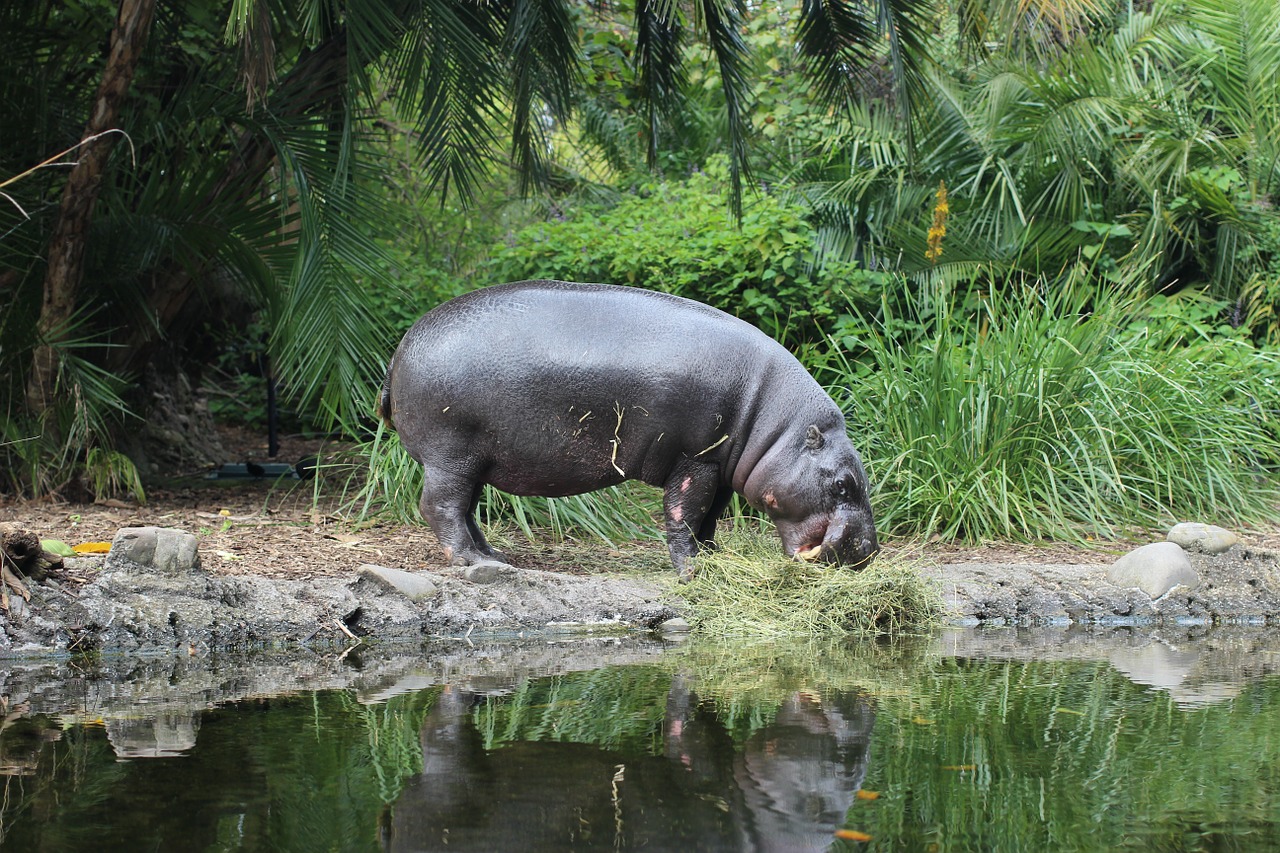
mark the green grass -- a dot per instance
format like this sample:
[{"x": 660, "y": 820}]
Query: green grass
[{"x": 1059, "y": 416}]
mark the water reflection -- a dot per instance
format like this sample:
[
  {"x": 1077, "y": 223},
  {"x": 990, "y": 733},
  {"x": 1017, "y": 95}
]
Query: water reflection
[
  {"x": 1195, "y": 666},
  {"x": 786, "y": 786},
  {"x": 156, "y": 735},
  {"x": 975, "y": 740}
]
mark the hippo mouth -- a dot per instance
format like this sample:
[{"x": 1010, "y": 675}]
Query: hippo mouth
[
  {"x": 806, "y": 542},
  {"x": 830, "y": 540}
]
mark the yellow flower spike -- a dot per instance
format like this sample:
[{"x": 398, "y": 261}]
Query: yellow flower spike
[{"x": 938, "y": 229}]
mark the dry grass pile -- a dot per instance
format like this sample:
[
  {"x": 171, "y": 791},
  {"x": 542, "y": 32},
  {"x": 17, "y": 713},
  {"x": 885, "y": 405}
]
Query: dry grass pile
[{"x": 748, "y": 587}]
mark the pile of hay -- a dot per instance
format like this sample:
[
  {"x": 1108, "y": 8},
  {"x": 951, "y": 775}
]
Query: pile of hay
[{"x": 749, "y": 587}]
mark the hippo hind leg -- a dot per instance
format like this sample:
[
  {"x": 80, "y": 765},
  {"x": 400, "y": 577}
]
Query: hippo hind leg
[
  {"x": 473, "y": 527},
  {"x": 692, "y": 502},
  {"x": 448, "y": 504}
]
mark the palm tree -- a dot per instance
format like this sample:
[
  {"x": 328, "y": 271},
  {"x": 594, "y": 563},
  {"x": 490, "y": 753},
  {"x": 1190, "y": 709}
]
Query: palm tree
[
  {"x": 1153, "y": 142},
  {"x": 243, "y": 169}
]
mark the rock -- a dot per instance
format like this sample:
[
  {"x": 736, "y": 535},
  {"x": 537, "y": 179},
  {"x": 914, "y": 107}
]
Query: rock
[
  {"x": 1205, "y": 538},
  {"x": 674, "y": 625},
  {"x": 415, "y": 587},
  {"x": 1155, "y": 569},
  {"x": 486, "y": 572},
  {"x": 158, "y": 550}
]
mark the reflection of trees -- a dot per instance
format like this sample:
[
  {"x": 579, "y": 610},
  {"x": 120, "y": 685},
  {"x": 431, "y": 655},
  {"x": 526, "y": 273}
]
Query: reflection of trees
[
  {"x": 632, "y": 758},
  {"x": 309, "y": 772}
]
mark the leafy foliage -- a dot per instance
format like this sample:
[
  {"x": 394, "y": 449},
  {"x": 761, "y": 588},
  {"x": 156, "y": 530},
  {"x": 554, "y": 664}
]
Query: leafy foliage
[{"x": 680, "y": 238}]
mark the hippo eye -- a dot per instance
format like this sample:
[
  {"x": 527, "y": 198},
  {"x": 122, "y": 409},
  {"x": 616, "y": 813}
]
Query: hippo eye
[{"x": 846, "y": 487}]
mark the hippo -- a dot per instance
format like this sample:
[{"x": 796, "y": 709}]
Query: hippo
[{"x": 555, "y": 388}]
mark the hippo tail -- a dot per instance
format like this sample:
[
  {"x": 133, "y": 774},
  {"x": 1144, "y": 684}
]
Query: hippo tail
[{"x": 384, "y": 399}]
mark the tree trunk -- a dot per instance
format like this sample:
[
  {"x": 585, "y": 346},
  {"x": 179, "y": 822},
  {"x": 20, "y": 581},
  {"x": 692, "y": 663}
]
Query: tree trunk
[{"x": 70, "y": 231}]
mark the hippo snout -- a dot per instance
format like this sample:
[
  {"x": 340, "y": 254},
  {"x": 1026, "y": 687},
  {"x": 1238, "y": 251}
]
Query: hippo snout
[{"x": 850, "y": 541}]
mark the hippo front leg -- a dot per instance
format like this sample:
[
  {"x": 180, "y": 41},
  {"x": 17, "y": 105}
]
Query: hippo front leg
[
  {"x": 448, "y": 504},
  {"x": 692, "y": 502}
]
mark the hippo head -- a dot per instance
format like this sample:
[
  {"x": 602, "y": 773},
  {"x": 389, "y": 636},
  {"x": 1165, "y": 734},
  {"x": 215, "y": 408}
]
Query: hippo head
[{"x": 816, "y": 492}]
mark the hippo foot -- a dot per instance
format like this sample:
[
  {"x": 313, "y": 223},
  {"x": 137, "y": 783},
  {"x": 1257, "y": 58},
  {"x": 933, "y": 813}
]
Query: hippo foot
[{"x": 464, "y": 560}]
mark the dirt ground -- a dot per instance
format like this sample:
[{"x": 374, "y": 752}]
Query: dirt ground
[{"x": 275, "y": 530}]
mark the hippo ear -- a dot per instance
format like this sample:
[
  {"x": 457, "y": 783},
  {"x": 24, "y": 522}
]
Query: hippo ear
[{"x": 813, "y": 439}]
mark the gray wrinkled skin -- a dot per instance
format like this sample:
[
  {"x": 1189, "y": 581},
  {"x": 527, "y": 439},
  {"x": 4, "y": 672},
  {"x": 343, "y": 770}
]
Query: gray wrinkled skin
[{"x": 552, "y": 388}]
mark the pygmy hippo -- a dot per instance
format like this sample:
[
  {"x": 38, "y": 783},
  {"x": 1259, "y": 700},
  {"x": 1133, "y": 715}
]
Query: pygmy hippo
[{"x": 553, "y": 388}]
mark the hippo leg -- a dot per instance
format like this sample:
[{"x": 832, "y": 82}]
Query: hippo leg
[
  {"x": 448, "y": 505},
  {"x": 474, "y": 528},
  {"x": 688, "y": 497},
  {"x": 707, "y": 532}
]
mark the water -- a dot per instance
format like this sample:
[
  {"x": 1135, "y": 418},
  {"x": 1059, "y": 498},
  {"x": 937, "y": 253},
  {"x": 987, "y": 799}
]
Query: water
[{"x": 970, "y": 741}]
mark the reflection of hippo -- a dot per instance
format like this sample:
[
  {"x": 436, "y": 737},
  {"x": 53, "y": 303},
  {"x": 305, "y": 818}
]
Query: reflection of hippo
[
  {"x": 787, "y": 787},
  {"x": 551, "y": 388}
]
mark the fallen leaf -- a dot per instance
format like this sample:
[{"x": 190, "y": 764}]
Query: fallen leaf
[
  {"x": 92, "y": 547},
  {"x": 57, "y": 546},
  {"x": 227, "y": 555},
  {"x": 867, "y": 795},
  {"x": 852, "y": 835},
  {"x": 346, "y": 539}
]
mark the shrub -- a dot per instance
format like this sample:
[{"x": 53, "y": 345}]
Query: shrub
[
  {"x": 681, "y": 238},
  {"x": 1061, "y": 414}
]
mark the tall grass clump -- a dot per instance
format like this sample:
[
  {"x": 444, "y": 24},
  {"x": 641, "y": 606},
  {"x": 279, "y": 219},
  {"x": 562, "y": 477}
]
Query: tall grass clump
[
  {"x": 748, "y": 587},
  {"x": 1069, "y": 413}
]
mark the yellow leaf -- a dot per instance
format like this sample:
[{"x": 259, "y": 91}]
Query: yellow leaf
[
  {"x": 867, "y": 795},
  {"x": 921, "y": 721},
  {"x": 227, "y": 555},
  {"x": 92, "y": 547}
]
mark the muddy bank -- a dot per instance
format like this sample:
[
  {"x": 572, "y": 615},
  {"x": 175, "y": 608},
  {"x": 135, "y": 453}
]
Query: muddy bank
[{"x": 152, "y": 595}]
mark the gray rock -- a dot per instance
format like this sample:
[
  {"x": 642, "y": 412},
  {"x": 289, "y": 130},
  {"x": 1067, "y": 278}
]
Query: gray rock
[
  {"x": 675, "y": 625},
  {"x": 158, "y": 550},
  {"x": 1205, "y": 538},
  {"x": 486, "y": 572},
  {"x": 1155, "y": 569},
  {"x": 415, "y": 587}
]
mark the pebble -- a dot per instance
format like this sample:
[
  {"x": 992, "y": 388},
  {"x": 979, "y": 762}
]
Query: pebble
[
  {"x": 156, "y": 549},
  {"x": 1205, "y": 538},
  {"x": 415, "y": 587},
  {"x": 486, "y": 572}
]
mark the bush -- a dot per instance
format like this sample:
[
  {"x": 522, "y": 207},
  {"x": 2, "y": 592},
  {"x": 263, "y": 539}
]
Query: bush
[
  {"x": 681, "y": 238},
  {"x": 1061, "y": 414}
]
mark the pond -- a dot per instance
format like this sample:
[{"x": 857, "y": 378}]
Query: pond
[{"x": 1050, "y": 739}]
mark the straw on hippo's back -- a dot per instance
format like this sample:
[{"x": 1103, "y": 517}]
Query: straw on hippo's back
[{"x": 553, "y": 388}]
